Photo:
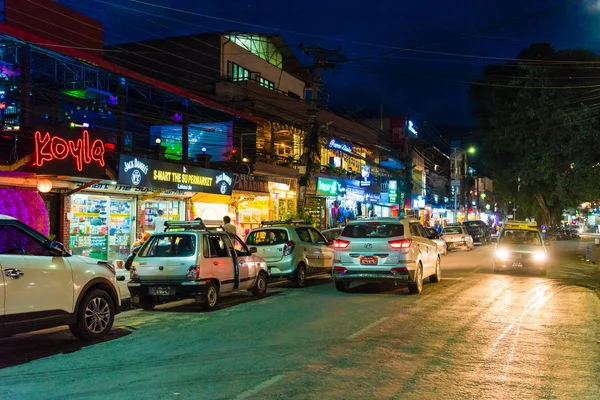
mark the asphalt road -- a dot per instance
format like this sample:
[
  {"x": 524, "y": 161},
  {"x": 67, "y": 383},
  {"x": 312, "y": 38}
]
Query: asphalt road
[{"x": 474, "y": 335}]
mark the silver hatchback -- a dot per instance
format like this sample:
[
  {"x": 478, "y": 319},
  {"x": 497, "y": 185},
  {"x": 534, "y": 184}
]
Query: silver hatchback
[{"x": 383, "y": 249}]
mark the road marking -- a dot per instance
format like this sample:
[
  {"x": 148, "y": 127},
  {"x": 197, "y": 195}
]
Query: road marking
[
  {"x": 259, "y": 387},
  {"x": 367, "y": 328}
]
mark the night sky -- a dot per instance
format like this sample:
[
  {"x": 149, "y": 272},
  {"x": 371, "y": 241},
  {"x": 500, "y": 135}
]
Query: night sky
[{"x": 427, "y": 83}]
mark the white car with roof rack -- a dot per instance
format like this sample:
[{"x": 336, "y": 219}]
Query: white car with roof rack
[
  {"x": 43, "y": 286},
  {"x": 385, "y": 249},
  {"x": 292, "y": 249},
  {"x": 195, "y": 259},
  {"x": 520, "y": 246}
]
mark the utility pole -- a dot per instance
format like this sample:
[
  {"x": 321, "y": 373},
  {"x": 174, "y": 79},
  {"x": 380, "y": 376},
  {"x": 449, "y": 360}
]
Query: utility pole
[{"x": 323, "y": 59}]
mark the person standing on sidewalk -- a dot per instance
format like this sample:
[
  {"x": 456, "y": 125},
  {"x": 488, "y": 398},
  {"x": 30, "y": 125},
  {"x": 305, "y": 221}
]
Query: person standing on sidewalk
[{"x": 228, "y": 226}]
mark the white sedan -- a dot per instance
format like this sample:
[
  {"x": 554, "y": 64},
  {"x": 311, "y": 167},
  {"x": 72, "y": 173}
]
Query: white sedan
[{"x": 437, "y": 239}]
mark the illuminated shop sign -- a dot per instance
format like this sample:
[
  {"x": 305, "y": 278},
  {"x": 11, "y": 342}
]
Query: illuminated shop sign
[
  {"x": 365, "y": 173},
  {"x": 329, "y": 187},
  {"x": 81, "y": 151},
  {"x": 393, "y": 194},
  {"x": 249, "y": 183},
  {"x": 334, "y": 144},
  {"x": 411, "y": 128},
  {"x": 164, "y": 175}
]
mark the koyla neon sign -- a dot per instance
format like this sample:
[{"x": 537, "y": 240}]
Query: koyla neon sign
[{"x": 49, "y": 148}]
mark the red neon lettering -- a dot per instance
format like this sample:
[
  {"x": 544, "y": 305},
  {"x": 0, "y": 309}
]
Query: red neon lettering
[{"x": 57, "y": 148}]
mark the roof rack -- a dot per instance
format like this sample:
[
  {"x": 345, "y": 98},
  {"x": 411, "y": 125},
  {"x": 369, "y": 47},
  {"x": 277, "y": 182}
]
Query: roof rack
[
  {"x": 286, "y": 222},
  {"x": 196, "y": 225}
]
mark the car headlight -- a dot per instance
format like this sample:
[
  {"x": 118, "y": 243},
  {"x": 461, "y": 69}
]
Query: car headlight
[
  {"x": 539, "y": 256},
  {"x": 502, "y": 254}
]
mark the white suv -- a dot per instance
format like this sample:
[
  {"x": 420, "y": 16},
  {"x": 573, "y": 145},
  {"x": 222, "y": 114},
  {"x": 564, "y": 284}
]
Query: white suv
[
  {"x": 42, "y": 286},
  {"x": 384, "y": 249}
]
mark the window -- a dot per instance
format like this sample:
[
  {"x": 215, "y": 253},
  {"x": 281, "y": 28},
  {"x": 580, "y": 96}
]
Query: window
[
  {"x": 217, "y": 248},
  {"x": 521, "y": 237},
  {"x": 453, "y": 229},
  {"x": 304, "y": 234},
  {"x": 237, "y": 73},
  {"x": 15, "y": 241},
  {"x": 414, "y": 230},
  {"x": 266, "y": 83},
  {"x": 267, "y": 237},
  {"x": 317, "y": 237},
  {"x": 236, "y": 244},
  {"x": 373, "y": 230},
  {"x": 176, "y": 245}
]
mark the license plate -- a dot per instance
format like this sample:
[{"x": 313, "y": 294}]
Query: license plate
[
  {"x": 368, "y": 260},
  {"x": 162, "y": 291},
  {"x": 517, "y": 265}
]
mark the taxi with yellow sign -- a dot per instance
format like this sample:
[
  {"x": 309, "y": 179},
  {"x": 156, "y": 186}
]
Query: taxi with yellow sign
[{"x": 520, "y": 246}]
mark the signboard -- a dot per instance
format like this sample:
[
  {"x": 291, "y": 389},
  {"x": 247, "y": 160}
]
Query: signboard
[
  {"x": 455, "y": 182},
  {"x": 365, "y": 173},
  {"x": 411, "y": 128},
  {"x": 329, "y": 187},
  {"x": 393, "y": 191},
  {"x": 71, "y": 152},
  {"x": 106, "y": 187},
  {"x": 338, "y": 145},
  {"x": 250, "y": 183},
  {"x": 164, "y": 175}
]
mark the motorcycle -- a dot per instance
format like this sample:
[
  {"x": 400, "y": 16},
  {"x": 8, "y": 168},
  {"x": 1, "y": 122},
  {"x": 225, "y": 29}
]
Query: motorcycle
[{"x": 135, "y": 248}]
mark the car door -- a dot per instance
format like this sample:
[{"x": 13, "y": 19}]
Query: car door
[
  {"x": 432, "y": 249},
  {"x": 323, "y": 250},
  {"x": 38, "y": 284},
  {"x": 216, "y": 250},
  {"x": 247, "y": 269},
  {"x": 311, "y": 252},
  {"x": 417, "y": 232}
]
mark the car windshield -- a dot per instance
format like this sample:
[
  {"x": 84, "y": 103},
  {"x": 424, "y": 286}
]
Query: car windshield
[
  {"x": 371, "y": 230},
  {"x": 453, "y": 229},
  {"x": 266, "y": 237},
  {"x": 521, "y": 237}
]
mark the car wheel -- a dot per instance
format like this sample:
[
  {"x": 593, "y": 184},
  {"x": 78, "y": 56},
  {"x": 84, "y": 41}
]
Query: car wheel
[
  {"x": 437, "y": 276},
  {"x": 300, "y": 277},
  {"x": 342, "y": 286},
  {"x": 212, "y": 297},
  {"x": 260, "y": 288},
  {"x": 417, "y": 286},
  {"x": 95, "y": 316},
  {"x": 147, "y": 303}
]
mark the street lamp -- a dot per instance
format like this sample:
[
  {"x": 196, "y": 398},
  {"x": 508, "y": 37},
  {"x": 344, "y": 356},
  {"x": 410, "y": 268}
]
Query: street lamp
[{"x": 472, "y": 150}]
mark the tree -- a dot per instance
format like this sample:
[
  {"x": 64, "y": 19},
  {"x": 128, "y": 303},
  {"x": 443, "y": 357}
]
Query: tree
[{"x": 538, "y": 118}]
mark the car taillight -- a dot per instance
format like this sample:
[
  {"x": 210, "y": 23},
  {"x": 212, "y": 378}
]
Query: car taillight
[
  {"x": 400, "y": 244},
  {"x": 288, "y": 248},
  {"x": 193, "y": 273},
  {"x": 340, "y": 270},
  {"x": 340, "y": 244},
  {"x": 400, "y": 270}
]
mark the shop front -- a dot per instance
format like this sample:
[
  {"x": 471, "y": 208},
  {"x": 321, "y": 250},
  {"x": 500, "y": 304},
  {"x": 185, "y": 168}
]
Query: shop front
[
  {"x": 282, "y": 201},
  {"x": 250, "y": 202},
  {"x": 209, "y": 190}
]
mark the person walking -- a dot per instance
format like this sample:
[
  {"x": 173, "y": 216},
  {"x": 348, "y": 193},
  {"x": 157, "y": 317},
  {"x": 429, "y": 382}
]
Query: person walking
[
  {"x": 228, "y": 226},
  {"x": 159, "y": 222}
]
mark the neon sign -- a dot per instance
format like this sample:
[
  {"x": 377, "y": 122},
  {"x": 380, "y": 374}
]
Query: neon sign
[
  {"x": 340, "y": 146},
  {"x": 50, "y": 148},
  {"x": 411, "y": 128}
]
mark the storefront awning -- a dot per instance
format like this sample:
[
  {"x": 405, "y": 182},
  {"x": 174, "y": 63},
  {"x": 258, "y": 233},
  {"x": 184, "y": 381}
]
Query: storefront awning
[{"x": 211, "y": 198}]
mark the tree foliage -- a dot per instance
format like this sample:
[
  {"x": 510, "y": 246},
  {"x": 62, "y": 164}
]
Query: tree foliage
[{"x": 538, "y": 117}]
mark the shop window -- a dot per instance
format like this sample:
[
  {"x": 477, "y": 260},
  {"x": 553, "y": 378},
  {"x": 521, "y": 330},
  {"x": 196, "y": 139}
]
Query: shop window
[{"x": 15, "y": 241}]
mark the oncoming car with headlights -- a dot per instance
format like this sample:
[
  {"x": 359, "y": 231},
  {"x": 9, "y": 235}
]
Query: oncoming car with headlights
[{"x": 520, "y": 246}]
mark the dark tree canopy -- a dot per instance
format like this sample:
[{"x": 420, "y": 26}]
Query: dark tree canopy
[{"x": 538, "y": 117}]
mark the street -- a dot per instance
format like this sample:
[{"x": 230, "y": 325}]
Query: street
[{"x": 474, "y": 335}]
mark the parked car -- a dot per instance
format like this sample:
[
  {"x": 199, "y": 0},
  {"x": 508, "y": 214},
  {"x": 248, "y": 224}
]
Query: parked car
[
  {"x": 437, "y": 239},
  {"x": 456, "y": 236},
  {"x": 384, "y": 249},
  {"x": 190, "y": 260},
  {"x": 292, "y": 250},
  {"x": 43, "y": 286},
  {"x": 332, "y": 234},
  {"x": 123, "y": 277},
  {"x": 479, "y": 231},
  {"x": 520, "y": 246}
]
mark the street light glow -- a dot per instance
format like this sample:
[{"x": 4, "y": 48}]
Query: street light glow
[{"x": 471, "y": 150}]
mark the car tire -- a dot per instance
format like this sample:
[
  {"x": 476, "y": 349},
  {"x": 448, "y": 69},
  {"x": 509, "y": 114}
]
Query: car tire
[
  {"x": 417, "y": 286},
  {"x": 260, "y": 288},
  {"x": 147, "y": 303},
  {"x": 300, "y": 276},
  {"x": 437, "y": 276},
  {"x": 95, "y": 316},
  {"x": 342, "y": 286},
  {"x": 212, "y": 297}
]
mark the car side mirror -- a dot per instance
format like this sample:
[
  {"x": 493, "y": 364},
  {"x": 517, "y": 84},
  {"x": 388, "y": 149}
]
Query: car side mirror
[
  {"x": 253, "y": 250},
  {"x": 59, "y": 249}
]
